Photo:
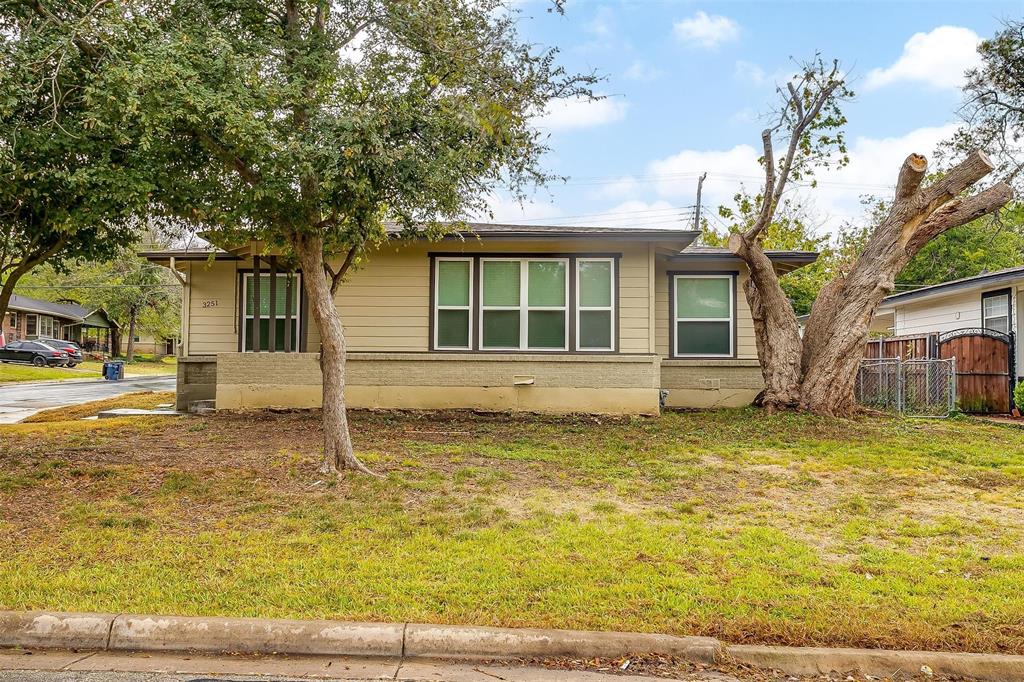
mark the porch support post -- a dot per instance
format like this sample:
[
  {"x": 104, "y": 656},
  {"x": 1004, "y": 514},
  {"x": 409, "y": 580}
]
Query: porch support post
[
  {"x": 272, "y": 328},
  {"x": 256, "y": 304},
  {"x": 288, "y": 294}
]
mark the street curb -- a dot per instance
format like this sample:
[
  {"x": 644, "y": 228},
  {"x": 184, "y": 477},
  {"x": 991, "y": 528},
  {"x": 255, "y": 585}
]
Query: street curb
[
  {"x": 880, "y": 662},
  {"x": 51, "y": 630},
  {"x": 446, "y": 641},
  {"x": 212, "y": 635}
]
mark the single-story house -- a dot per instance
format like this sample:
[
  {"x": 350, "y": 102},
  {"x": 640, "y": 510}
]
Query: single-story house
[
  {"x": 499, "y": 317},
  {"x": 152, "y": 344},
  {"x": 990, "y": 301},
  {"x": 30, "y": 318}
]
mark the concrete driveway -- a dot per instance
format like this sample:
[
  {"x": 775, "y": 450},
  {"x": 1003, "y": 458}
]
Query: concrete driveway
[{"x": 21, "y": 400}]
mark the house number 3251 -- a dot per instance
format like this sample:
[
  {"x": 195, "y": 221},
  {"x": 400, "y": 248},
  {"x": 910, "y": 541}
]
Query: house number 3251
[{"x": 211, "y": 303}]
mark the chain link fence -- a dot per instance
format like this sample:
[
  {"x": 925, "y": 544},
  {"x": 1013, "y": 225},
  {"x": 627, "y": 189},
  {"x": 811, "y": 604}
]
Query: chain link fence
[{"x": 916, "y": 388}]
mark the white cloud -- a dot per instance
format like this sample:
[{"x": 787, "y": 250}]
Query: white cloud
[
  {"x": 638, "y": 214},
  {"x": 749, "y": 71},
  {"x": 505, "y": 209},
  {"x": 874, "y": 165},
  {"x": 675, "y": 177},
  {"x": 937, "y": 58},
  {"x": 706, "y": 31},
  {"x": 619, "y": 188},
  {"x": 641, "y": 71},
  {"x": 580, "y": 112},
  {"x": 601, "y": 24}
]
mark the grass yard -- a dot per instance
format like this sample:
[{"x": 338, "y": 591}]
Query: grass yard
[
  {"x": 786, "y": 529},
  {"x": 10, "y": 373},
  {"x": 166, "y": 365}
]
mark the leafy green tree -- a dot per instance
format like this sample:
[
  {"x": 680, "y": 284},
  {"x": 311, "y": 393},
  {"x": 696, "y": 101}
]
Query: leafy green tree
[
  {"x": 789, "y": 230},
  {"x": 993, "y": 107},
  {"x": 136, "y": 294},
  {"x": 67, "y": 185},
  {"x": 309, "y": 125}
]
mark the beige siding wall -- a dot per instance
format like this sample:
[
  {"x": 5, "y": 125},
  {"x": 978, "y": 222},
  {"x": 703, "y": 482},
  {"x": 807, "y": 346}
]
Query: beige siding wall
[
  {"x": 746, "y": 348},
  {"x": 386, "y": 305},
  {"x": 212, "y": 322}
]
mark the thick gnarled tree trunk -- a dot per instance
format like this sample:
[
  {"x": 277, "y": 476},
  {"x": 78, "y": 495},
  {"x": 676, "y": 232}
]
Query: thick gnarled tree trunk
[
  {"x": 822, "y": 377},
  {"x": 338, "y": 452}
]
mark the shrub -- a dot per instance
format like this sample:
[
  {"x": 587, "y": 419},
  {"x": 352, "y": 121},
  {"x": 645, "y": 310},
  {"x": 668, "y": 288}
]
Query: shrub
[{"x": 1018, "y": 395}]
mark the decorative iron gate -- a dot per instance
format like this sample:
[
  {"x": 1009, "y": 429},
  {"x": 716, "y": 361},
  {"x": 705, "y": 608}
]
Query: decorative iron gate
[{"x": 985, "y": 368}]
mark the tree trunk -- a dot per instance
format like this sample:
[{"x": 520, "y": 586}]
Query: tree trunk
[
  {"x": 818, "y": 373},
  {"x": 132, "y": 315},
  {"x": 776, "y": 329},
  {"x": 840, "y": 321},
  {"x": 338, "y": 453}
]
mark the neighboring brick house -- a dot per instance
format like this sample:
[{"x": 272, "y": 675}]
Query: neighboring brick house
[
  {"x": 30, "y": 318},
  {"x": 502, "y": 317}
]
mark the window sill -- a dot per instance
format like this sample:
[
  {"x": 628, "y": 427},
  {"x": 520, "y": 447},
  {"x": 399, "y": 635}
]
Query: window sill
[
  {"x": 500, "y": 356},
  {"x": 710, "y": 362}
]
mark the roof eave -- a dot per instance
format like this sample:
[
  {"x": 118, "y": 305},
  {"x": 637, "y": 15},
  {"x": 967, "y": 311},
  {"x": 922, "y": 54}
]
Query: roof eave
[{"x": 947, "y": 288}]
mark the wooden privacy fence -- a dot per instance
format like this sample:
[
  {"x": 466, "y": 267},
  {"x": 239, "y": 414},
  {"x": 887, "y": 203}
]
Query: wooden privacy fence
[{"x": 985, "y": 372}]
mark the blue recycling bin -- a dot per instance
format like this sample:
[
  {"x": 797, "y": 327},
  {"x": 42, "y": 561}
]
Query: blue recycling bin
[{"x": 113, "y": 370}]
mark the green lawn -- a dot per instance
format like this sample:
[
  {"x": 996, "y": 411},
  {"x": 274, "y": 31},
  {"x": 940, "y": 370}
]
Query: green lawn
[
  {"x": 11, "y": 373},
  {"x": 784, "y": 529},
  {"x": 167, "y": 365}
]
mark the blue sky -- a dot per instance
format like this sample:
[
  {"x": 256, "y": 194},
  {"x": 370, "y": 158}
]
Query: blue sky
[{"x": 688, "y": 83}]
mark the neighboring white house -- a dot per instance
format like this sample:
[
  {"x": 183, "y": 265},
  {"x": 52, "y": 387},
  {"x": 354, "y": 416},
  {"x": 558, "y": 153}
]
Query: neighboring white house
[{"x": 991, "y": 300}]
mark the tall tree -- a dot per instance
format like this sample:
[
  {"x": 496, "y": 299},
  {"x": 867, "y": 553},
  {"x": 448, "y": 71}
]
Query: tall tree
[
  {"x": 817, "y": 371},
  {"x": 308, "y": 125},
  {"x": 993, "y": 108},
  {"x": 66, "y": 186}
]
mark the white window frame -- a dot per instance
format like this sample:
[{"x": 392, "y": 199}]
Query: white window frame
[
  {"x": 438, "y": 307},
  {"x": 610, "y": 308},
  {"x": 1006, "y": 295},
  {"x": 731, "y": 279},
  {"x": 296, "y": 309},
  {"x": 44, "y": 322},
  {"x": 524, "y": 307}
]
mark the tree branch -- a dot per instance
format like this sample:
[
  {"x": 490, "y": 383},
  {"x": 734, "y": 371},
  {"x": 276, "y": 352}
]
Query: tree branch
[
  {"x": 911, "y": 175},
  {"x": 959, "y": 212}
]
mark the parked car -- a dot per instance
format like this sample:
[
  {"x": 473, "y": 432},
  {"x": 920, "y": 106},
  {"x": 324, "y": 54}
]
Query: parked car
[
  {"x": 73, "y": 350},
  {"x": 34, "y": 353}
]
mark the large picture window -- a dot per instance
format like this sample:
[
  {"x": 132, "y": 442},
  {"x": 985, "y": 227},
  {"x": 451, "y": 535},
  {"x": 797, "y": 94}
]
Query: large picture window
[
  {"x": 995, "y": 310},
  {"x": 524, "y": 304},
  {"x": 541, "y": 303},
  {"x": 281, "y": 311},
  {"x": 703, "y": 315}
]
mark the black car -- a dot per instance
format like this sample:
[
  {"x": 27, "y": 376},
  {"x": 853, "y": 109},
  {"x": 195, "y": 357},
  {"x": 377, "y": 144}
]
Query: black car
[
  {"x": 33, "y": 352},
  {"x": 70, "y": 347}
]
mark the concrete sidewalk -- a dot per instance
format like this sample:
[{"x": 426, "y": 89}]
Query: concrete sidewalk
[{"x": 49, "y": 666}]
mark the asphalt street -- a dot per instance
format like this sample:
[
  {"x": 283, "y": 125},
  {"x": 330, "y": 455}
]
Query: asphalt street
[{"x": 21, "y": 400}]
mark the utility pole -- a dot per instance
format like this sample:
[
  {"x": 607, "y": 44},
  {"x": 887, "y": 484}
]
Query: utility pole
[{"x": 696, "y": 213}]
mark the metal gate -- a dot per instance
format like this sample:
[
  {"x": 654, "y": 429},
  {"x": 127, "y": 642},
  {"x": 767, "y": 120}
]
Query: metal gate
[
  {"x": 985, "y": 368},
  {"x": 916, "y": 388}
]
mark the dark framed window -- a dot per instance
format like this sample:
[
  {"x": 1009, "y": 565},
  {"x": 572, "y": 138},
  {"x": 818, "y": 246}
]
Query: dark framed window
[
  {"x": 31, "y": 324},
  {"x": 703, "y": 314},
  {"x": 995, "y": 310},
  {"x": 280, "y": 306},
  {"x": 524, "y": 302}
]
